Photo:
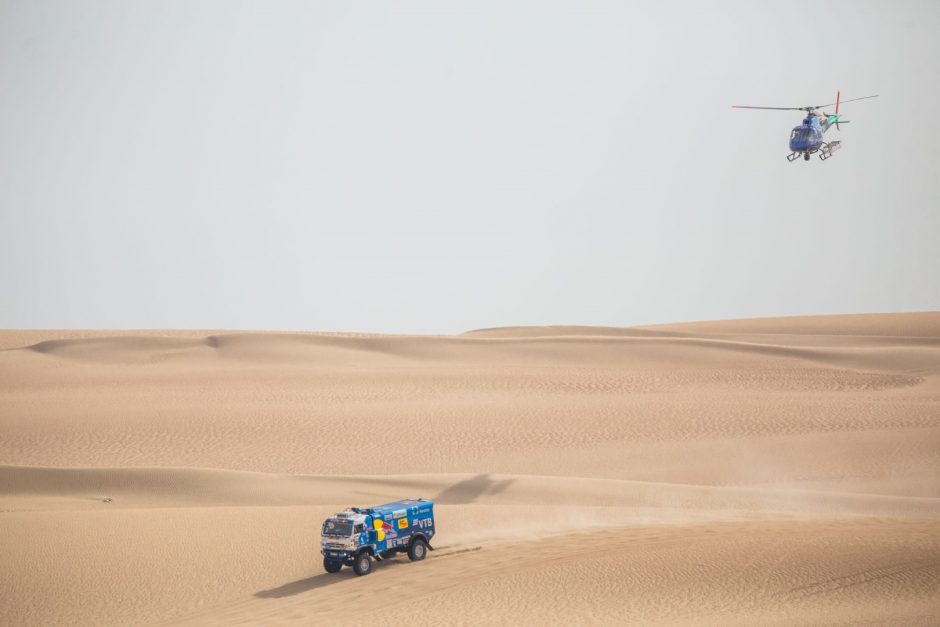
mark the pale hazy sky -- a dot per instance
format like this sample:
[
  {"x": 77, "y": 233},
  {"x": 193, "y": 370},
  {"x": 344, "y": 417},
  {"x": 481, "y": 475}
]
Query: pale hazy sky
[{"x": 442, "y": 166}]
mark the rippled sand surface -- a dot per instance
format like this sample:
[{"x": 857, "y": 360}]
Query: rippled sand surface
[{"x": 774, "y": 471}]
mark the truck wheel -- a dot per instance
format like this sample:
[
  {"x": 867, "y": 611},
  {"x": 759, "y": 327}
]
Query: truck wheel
[
  {"x": 363, "y": 564},
  {"x": 418, "y": 550},
  {"x": 331, "y": 566}
]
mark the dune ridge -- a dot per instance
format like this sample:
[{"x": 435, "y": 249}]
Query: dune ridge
[
  {"x": 733, "y": 472},
  {"x": 85, "y": 488}
]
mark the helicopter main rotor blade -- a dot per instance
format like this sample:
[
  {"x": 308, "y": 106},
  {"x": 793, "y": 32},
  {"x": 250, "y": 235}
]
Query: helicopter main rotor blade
[
  {"x": 845, "y": 101},
  {"x": 769, "y": 108}
]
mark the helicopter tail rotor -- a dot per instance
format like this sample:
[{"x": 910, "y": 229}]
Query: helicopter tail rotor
[
  {"x": 839, "y": 101},
  {"x": 838, "y": 97}
]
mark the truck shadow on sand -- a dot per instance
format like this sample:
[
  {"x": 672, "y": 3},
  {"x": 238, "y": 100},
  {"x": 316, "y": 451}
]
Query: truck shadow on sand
[
  {"x": 301, "y": 585},
  {"x": 322, "y": 580}
]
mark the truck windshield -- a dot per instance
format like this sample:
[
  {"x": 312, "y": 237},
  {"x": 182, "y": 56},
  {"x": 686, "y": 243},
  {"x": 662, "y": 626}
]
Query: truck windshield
[{"x": 337, "y": 528}]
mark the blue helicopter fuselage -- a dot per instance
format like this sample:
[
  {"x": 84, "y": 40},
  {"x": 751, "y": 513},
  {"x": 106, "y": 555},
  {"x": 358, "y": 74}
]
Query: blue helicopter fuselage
[{"x": 808, "y": 136}]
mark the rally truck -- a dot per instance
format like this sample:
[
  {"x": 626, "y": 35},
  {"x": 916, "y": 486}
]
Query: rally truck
[{"x": 356, "y": 536}]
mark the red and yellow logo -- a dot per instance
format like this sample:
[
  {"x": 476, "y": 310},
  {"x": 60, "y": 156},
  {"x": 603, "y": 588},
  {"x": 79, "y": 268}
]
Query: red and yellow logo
[{"x": 380, "y": 527}]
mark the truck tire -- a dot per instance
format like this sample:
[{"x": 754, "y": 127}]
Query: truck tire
[
  {"x": 331, "y": 566},
  {"x": 418, "y": 550},
  {"x": 363, "y": 564}
]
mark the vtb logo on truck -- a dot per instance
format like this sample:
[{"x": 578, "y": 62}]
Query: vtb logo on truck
[{"x": 424, "y": 523}]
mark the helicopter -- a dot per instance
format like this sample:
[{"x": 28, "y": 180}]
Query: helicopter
[{"x": 807, "y": 138}]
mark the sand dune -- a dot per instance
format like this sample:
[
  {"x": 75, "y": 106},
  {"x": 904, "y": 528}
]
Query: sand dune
[
  {"x": 921, "y": 324},
  {"x": 774, "y": 471}
]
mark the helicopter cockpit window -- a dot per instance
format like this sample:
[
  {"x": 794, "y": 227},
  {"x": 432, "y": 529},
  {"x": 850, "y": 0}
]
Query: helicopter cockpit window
[{"x": 803, "y": 134}]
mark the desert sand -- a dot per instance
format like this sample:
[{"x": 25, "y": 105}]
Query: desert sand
[{"x": 773, "y": 471}]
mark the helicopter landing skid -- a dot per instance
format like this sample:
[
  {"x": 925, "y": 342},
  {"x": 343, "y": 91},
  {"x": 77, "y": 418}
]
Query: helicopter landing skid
[
  {"x": 793, "y": 156},
  {"x": 827, "y": 149}
]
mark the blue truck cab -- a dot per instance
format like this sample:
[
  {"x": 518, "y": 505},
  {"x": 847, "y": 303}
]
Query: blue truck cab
[{"x": 357, "y": 536}]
